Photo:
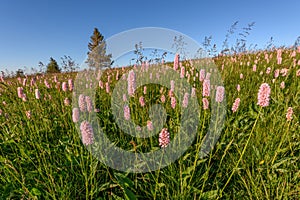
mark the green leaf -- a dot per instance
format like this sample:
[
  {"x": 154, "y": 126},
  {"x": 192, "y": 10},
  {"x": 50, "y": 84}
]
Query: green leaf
[
  {"x": 123, "y": 180},
  {"x": 36, "y": 192},
  {"x": 129, "y": 194}
]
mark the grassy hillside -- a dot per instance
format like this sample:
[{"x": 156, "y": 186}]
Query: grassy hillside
[{"x": 256, "y": 157}]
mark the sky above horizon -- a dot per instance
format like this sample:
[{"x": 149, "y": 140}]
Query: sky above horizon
[{"x": 35, "y": 30}]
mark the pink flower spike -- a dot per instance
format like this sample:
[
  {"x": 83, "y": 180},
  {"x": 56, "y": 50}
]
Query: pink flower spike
[
  {"x": 107, "y": 87},
  {"x": 71, "y": 84},
  {"x": 126, "y": 112},
  {"x": 28, "y": 114},
  {"x": 235, "y": 105},
  {"x": 202, "y": 75},
  {"x": 142, "y": 101},
  {"x": 205, "y": 103},
  {"x": 67, "y": 101},
  {"x": 193, "y": 93},
  {"x": 176, "y": 62},
  {"x": 149, "y": 126},
  {"x": 276, "y": 73},
  {"x": 164, "y": 138},
  {"x": 173, "y": 102},
  {"x": 20, "y": 92},
  {"x": 264, "y": 95},
  {"x": 81, "y": 102},
  {"x": 182, "y": 72},
  {"x": 124, "y": 97},
  {"x": 87, "y": 133},
  {"x": 220, "y": 94},
  {"x": 64, "y": 87},
  {"x": 289, "y": 114},
  {"x": 163, "y": 98},
  {"x": 131, "y": 83},
  {"x": 37, "y": 94},
  {"x": 206, "y": 88},
  {"x": 75, "y": 115},
  {"x": 185, "y": 100},
  {"x": 172, "y": 85},
  {"x": 238, "y": 87},
  {"x": 89, "y": 104},
  {"x": 282, "y": 85}
]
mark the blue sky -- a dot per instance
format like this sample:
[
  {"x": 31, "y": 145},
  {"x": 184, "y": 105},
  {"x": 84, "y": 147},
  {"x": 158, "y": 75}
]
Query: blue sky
[{"x": 35, "y": 30}]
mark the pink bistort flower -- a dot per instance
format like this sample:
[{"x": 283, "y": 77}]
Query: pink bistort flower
[
  {"x": 64, "y": 87},
  {"x": 37, "y": 94},
  {"x": 176, "y": 61},
  {"x": 173, "y": 102},
  {"x": 185, "y": 100},
  {"x": 164, "y": 138},
  {"x": 87, "y": 133},
  {"x": 289, "y": 114},
  {"x": 131, "y": 83},
  {"x": 20, "y": 92},
  {"x": 75, "y": 114},
  {"x": 142, "y": 101},
  {"x": 126, "y": 112},
  {"x": 149, "y": 125},
  {"x": 89, "y": 104},
  {"x": 206, "y": 88},
  {"x": 264, "y": 95},
  {"x": 205, "y": 103},
  {"x": 71, "y": 84},
  {"x": 235, "y": 105},
  {"x": 81, "y": 103},
  {"x": 220, "y": 94}
]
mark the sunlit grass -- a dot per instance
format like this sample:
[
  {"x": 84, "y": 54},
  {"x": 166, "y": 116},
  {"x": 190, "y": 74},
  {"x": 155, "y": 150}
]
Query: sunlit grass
[{"x": 256, "y": 157}]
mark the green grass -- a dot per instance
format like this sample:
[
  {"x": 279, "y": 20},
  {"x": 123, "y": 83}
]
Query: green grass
[{"x": 256, "y": 157}]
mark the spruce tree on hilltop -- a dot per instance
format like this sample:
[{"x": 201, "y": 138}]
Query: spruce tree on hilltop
[
  {"x": 97, "y": 58},
  {"x": 53, "y": 67},
  {"x": 96, "y": 39}
]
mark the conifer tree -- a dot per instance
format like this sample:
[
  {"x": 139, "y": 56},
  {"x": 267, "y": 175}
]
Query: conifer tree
[
  {"x": 97, "y": 57},
  {"x": 53, "y": 67}
]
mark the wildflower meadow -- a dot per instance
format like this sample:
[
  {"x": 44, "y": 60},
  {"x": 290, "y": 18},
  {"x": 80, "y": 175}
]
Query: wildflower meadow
[{"x": 48, "y": 134}]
